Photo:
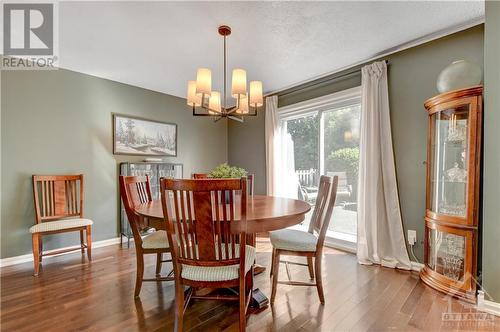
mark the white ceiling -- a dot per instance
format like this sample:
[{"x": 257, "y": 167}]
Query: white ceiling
[{"x": 159, "y": 45}]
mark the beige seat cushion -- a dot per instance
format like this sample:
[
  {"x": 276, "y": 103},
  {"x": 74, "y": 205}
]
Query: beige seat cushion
[
  {"x": 49, "y": 226},
  {"x": 294, "y": 240},
  {"x": 219, "y": 273},
  {"x": 156, "y": 240}
]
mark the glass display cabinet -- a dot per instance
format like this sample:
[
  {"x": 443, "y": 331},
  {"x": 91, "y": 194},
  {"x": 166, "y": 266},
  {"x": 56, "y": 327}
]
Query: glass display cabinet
[{"x": 452, "y": 207}]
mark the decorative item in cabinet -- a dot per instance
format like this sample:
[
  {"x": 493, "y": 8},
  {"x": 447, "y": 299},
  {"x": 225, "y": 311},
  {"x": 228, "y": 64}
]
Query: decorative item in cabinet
[
  {"x": 155, "y": 171},
  {"x": 452, "y": 203}
]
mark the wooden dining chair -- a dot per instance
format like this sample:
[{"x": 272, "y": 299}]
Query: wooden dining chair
[
  {"x": 135, "y": 190},
  {"x": 290, "y": 242},
  {"x": 198, "y": 176},
  {"x": 251, "y": 240},
  {"x": 58, "y": 203},
  {"x": 207, "y": 251},
  {"x": 250, "y": 178}
]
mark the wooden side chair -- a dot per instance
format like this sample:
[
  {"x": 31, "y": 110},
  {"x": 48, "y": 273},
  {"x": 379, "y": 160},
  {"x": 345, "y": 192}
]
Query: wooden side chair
[
  {"x": 206, "y": 252},
  {"x": 250, "y": 177},
  {"x": 59, "y": 209},
  {"x": 199, "y": 176},
  {"x": 135, "y": 190},
  {"x": 290, "y": 242}
]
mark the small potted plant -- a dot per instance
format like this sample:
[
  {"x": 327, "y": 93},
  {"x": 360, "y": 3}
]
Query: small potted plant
[{"x": 224, "y": 171}]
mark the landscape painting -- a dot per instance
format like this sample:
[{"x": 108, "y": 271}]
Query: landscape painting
[{"x": 136, "y": 136}]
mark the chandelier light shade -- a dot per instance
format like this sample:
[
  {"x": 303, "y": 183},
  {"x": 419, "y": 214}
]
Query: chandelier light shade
[
  {"x": 204, "y": 81},
  {"x": 243, "y": 109},
  {"x": 207, "y": 102},
  {"x": 256, "y": 99},
  {"x": 214, "y": 103},
  {"x": 239, "y": 86},
  {"x": 193, "y": 99}
]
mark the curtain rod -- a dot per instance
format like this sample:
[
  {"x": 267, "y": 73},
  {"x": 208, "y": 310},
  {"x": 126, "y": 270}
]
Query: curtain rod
[{"x": 322, "y": 81}]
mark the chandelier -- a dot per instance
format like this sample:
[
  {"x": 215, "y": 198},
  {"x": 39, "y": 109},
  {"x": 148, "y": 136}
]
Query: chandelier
[{"x": 206, "y": 102}]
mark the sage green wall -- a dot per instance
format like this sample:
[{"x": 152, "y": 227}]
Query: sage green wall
[
  {"x": 412, "y": 80},
  {"x": 491, "y": 161},
  {"x": 247, "y": 148},
  {"x": 60, "y": 122}
]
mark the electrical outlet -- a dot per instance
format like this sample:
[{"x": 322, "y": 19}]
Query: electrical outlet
[{"x": 412, "y": 237}]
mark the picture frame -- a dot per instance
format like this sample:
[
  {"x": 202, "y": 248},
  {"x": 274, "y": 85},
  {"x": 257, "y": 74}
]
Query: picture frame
[{"x": 138, "y": 136}]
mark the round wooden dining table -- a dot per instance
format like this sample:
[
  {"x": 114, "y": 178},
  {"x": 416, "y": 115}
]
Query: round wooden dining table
[{"x": 264, "y": 214}]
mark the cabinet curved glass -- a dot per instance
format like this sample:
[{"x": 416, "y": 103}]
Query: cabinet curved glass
[{"x": 453, "y": 168}]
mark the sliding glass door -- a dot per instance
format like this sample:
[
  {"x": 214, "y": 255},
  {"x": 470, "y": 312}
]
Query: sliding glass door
[
  {"x": 325, "y": 141},
  {"x": 339, "y": 156}
]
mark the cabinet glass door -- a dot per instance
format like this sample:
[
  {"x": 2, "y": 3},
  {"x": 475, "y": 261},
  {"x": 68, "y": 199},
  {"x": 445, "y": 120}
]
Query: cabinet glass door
[
  {"x": 150, "y": 170},
  {"x": 447, "y": 254},
  {"x": 449, "y": 151}
]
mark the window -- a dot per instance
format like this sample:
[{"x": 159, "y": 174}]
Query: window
[{"x": 322, "y": 138}]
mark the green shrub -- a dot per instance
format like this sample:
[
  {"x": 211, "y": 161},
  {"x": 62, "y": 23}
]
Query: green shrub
[
  {"x": 226, "y": 171},
  {"x": 344, "y": 160}
]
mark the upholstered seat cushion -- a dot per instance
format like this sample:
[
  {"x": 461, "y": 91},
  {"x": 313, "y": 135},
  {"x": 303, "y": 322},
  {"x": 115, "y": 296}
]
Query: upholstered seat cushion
[
  {"x": 219, "y": 273},
  {"x": 294, "y": 240},
  {"x": 49, "y": 226},
  {"x": 155, "y": 240}
]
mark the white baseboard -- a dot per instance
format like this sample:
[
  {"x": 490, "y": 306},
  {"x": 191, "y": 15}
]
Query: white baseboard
[
  {"x": 416, "y": 266},
  {"x": 341, "y": 245},
  {"x": 29, "y": 257},
  {"x": 486, "y": 305}
]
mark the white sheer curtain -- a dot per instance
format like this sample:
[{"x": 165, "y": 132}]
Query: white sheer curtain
[
  {"x": 272, "y": 130},
  {"x": 380, "y": 230},
  {"x": 280, "y": 164}
]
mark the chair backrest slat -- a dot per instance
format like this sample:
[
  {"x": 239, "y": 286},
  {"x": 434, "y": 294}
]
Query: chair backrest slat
[
  {"x": 199, "y": 214},
  {"x": 135, "y": 190},
  {"x": 185, "y": 224},
  {"x": 323, "y": 209},
  {"x": 190, "y": 213},
  {"x": 57, "y": 196},
  {"x": 250, "y": 178}
]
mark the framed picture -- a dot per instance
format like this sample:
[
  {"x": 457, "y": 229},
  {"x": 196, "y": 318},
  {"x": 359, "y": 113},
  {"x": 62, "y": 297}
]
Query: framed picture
[{"x": 142, "y": 137}]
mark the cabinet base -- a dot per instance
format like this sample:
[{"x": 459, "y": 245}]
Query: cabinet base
[{"x": 441, "y": 284}]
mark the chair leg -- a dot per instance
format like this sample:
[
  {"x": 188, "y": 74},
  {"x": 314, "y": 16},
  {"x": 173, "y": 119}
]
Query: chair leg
[
  {"x": 319, "y": 280},
  {"x": 242, "y": 300},
  {"x": 311, "y": 267},
  {"x": 276, "y": 267},
  {"x": 179, "y": 307},
  {"x": 81, "y": 241},
  {"x": 140, "y": 273},
  {"x": 249, "y": 280},
  {"x": 40, "y": 240},
  {"x": 88, "y": 231},
  {"x": 272, "y": 263},
  {"x": 158, "y": 263},
  {"x": 36, "y": 252}
]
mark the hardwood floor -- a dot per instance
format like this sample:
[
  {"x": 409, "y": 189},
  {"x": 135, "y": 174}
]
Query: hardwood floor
[{"x": 69, "y": 296}]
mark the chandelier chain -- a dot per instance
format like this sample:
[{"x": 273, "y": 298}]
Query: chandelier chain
[{"x": 224, "y": 74}]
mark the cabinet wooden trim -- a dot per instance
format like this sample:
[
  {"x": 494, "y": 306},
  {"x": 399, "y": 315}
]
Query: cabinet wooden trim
[
  {"x": 464, "y": 226},
  {"x": 476, "y": 90},
  {"x": 466, "y": 289}
]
